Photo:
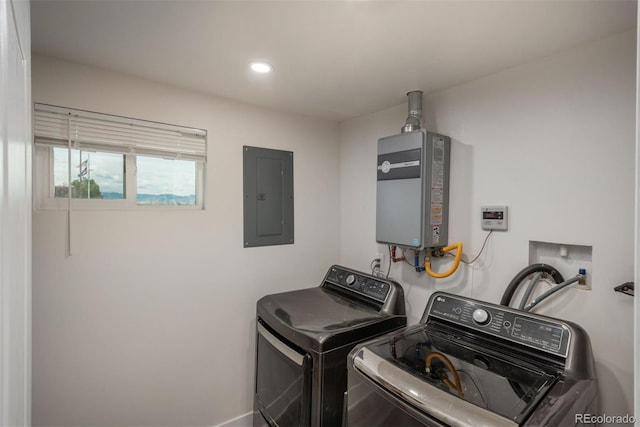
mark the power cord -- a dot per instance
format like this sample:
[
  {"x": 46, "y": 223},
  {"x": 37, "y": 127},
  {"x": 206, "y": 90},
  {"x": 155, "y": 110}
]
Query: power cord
[
  {"x": 374, "y": 265},
  {"x": 479, "y": 253}
]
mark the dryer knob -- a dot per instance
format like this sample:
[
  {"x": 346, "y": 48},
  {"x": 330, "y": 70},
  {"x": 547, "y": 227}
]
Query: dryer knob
[
  {"x": 481, "y": 316},
  {"x": 350, "y": 279}
]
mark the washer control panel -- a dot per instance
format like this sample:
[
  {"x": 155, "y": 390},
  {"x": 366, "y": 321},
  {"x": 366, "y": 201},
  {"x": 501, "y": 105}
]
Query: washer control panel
[
  {"x": 360, "y": 283},
  {"x": 502, "y": 322}
]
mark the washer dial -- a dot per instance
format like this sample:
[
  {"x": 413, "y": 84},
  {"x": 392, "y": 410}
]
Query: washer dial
[{"x": 481, "y": 316}]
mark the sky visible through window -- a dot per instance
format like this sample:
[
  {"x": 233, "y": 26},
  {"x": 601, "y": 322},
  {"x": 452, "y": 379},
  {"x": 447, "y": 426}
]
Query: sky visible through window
[
  {"x": 164, "y": 176},
  {"x": 155, "y": 176}
]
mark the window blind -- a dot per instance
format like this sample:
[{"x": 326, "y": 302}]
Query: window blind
[{"x": 85, "y": 130}]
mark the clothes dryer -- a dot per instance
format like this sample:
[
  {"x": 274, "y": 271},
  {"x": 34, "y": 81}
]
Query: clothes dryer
[{"x": 303, "y": 339}]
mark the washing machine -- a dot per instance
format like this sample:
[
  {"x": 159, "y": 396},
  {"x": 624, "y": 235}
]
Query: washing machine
[
  {"x": 472, "y": 363},
  {"x": 303, "y": 338}
]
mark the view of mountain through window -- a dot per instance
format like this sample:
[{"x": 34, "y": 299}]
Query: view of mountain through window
[
  {"x": 99, "y": 175},
  {"x": 165, "y": 182},
  {"x": 93, "y": 175}
]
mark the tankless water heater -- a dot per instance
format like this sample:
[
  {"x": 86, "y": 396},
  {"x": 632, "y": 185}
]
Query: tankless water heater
[{"x": 412, "y": 205}]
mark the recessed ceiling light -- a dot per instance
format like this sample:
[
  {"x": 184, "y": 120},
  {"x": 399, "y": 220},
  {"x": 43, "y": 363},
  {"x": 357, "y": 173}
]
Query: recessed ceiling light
[{"x": 261, "y": 67}]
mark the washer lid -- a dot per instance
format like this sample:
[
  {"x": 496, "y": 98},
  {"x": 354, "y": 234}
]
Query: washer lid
[
  {"x": 433, "y": 400},
  {"x": 455, "y": 379},
  {"x": 320, "y": 319}
]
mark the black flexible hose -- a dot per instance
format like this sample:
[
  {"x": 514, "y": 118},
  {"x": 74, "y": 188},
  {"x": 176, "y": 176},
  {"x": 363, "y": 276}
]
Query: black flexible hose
[
  {"x": 507, "y": 296},
  {"x": 518, "y": 278}
]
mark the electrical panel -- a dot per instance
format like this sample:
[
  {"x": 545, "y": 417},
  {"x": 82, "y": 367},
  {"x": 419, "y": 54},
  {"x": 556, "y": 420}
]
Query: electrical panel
[
  {"x": 412, "y": 204},
  {"x": 268, "y": 196}
]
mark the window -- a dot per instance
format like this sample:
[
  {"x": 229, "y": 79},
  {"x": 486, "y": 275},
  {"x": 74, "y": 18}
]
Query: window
[
  {"x": 93, "y": 175},
  {"x": 115, "y": 162},
  {"x": 165, "y": 182}
]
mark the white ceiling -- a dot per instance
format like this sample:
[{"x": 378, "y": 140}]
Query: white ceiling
[{"x": 332, "y": 59}]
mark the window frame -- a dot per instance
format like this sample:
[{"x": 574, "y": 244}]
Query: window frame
[
  {"x": 45, "y": 192},
  {"x": 88, "y": 131}
]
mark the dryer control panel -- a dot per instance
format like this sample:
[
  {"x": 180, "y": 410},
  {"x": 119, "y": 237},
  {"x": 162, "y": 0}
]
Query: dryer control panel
[
  {"x": 503, "y": 322},
  {"x": 359, "y": 283}
]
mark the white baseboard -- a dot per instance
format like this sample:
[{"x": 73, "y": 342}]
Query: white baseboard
[{"x": 245, "y": 420}]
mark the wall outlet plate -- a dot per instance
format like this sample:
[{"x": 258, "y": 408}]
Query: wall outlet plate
[{"x": 381, "y": 256}]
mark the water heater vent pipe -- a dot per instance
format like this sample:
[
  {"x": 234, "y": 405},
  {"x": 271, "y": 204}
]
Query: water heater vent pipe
[{"x": 414, "y": 119}]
